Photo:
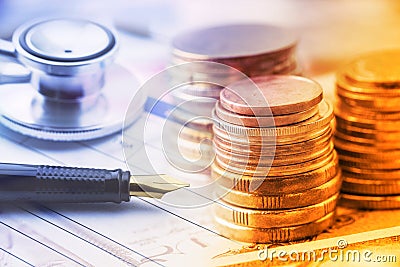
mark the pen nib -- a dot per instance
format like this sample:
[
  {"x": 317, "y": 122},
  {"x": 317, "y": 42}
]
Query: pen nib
[{"x": 154, "y": 186}]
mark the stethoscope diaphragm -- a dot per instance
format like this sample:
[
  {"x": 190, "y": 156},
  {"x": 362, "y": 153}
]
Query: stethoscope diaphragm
[{"x": 75, "y": 91}]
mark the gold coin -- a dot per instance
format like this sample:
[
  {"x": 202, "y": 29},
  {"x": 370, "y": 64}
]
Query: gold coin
[
  {"x": 389, "y": 164},
  {"x": 372, "y": 104},
  {"x": 263, "y": 121},
  {"x": 367, "y": 142},
  {"x": 255, "y": 63},
  {"x": 364, "y": 124},
  {"x": 201, "y": 72},
  {"x": 354, "y": 157},
  {"x": 221, "y": 74},
  {"x": 360, "y": 112},
  {"x": 279, "y": 152},
  {"x": 252, "y": 160},
  {"x": 374, "y": 135},
  {"x": 269, "y": 140},
  {"x": 370, "y": 202},
  {"x": 370, "y": 165},
  {"x": 283, "y": 201},
  {"x": 275, "y": 218},
  {"x": 229, "y": 147},
  {"x": 376, "y": 156},
  {"x": 274, "y": 235},
  {"x": 384, "y": 125},
  {"x": 371, "y": 173},
  {"x": 290, "y": 67},
  {"x": 382, "y": 67},
  {"x": 343, "y": 144},
  {"x": 257, "y": 41},
  {"x": 280, "y": 170},
  {"x": 374, "y": 100},
  {"x": 379, "y": 144},
  {"x": 289, "y": 149},
  {"x": 319, "y": 121},
  {"x": 344, "y": 83},
  {"x": 243, "y": 139},
  {"x": 275, "y": 185},
  {"x": 362, "y": 186},
  {"x": 275, "y": 94}
]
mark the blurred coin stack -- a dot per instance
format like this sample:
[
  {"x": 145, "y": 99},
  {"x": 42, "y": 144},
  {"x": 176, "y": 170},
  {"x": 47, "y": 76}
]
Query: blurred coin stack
[
  {"x": 275, "y": 164},
  {"x": 252, "y": 49},
  {"x": 367, "y": 134}
]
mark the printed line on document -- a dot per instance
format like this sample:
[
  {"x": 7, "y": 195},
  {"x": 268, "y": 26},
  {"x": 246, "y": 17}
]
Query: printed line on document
[
  {"x": 95, "y": 232},
  {"x": 15, "y": 256},
  {"x": 41, "y": 243}
]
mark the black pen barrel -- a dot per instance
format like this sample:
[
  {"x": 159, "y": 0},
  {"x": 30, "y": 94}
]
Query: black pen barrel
[{"x": 40, "y": 183}]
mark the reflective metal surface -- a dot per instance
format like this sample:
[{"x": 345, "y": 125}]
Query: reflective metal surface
[
  {"x": 65, "y": 46},
  {"x": 71, "y": 90},
  {"x": 67, "y": 40},
  {"x": 25, "y": 110}
]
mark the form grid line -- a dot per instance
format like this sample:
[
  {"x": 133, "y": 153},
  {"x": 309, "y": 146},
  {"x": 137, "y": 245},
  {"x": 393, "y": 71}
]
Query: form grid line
[
  {"x": 77, "y": 236},
  {"x": 101, "y": 152},
  {"x": 182, "y": 218},
  {"x": 41, "y": 243},
  {"x": 15, "y": 256},
  {"x": 100, "y": 234}
]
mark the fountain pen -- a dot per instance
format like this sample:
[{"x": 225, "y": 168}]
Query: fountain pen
[{"x": 42, "y": 183}]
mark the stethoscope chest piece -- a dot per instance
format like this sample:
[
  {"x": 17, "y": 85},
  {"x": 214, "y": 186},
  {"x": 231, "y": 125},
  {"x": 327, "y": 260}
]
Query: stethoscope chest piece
[{"x": 74, "y": 91}]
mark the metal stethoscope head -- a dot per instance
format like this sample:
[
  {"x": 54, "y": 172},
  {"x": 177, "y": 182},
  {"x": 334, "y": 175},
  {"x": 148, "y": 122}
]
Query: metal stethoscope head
[{"x": 71, "y": 89}]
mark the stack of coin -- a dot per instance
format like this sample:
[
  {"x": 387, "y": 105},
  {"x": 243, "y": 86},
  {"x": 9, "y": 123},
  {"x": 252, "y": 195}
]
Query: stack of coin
[
  {"x": 276, "y": 167},
  {"x": 368, "y": 130},
  {"x": 251, "y": 49}
]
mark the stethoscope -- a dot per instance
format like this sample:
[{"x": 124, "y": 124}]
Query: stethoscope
[{"x": 71, "y": 89}]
